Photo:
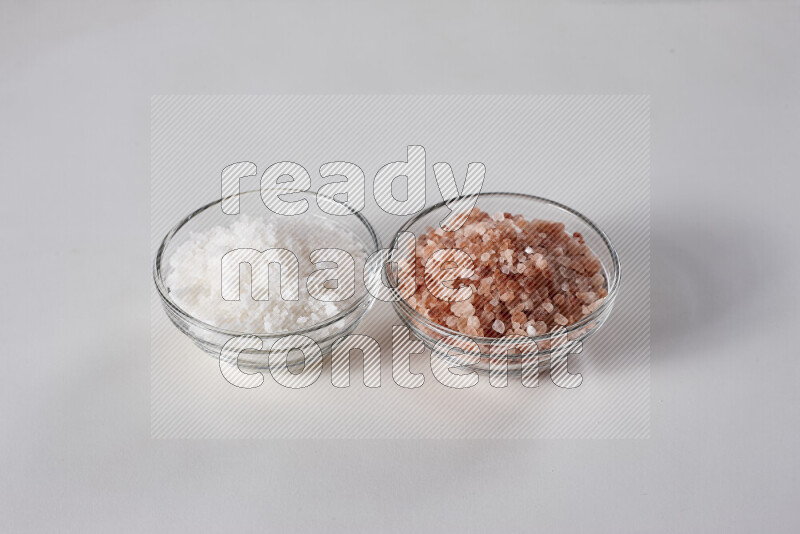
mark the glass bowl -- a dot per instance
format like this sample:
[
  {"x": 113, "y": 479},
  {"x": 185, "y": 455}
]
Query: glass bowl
[
  {"x": 211, "y": 338},
  {"x": 516, "y": 351}
]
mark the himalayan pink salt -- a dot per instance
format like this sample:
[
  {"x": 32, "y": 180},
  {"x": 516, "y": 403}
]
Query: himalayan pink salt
[
  {"x": 462, "y": 309},
  {"x": 530, "y": 277}
]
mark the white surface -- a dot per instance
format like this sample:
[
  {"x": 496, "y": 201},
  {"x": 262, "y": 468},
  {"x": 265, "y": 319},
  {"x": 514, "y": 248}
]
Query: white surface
[
  {"x": 589, "y": 152},
  {"x": 74, "y": 98}
]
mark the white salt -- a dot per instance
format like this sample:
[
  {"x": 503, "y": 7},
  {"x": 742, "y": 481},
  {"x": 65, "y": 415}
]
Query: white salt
[{"x": 194, "y": 273}]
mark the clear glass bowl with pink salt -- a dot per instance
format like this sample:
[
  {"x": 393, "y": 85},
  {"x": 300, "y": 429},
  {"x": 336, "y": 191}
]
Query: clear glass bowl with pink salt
[{"x": 574, "y": 278}]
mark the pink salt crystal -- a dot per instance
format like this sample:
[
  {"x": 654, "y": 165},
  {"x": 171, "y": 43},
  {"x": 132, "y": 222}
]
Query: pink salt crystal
[
  {"x": 594, "y": 305},
  {"x": 498, "y": 326},
  {"x": 524, "y": 287},
  {"x": 530, "y": 330},
  {"x": 470, "y": 331},
  {"x": 485, "y": 286},
  {"x": 582, "y": 283},
  {"x": 462, "y": 309}
]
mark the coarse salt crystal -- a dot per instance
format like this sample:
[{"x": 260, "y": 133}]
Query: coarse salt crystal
[
  {"x": 462, "y": 309},
  {"x": 498, "y": 326}
]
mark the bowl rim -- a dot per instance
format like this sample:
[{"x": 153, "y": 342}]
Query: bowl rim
[
  {"x": 608, "y": 301},
  {"x": 173, "y": 306}
]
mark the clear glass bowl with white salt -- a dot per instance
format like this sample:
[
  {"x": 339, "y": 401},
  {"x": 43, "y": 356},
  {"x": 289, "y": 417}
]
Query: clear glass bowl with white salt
[{"x": 188, "y": 274}]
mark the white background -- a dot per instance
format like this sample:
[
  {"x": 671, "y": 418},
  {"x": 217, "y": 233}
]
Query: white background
[
  {"x": 590, "y": 152},
  {"x": 75, "y": 87}
]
